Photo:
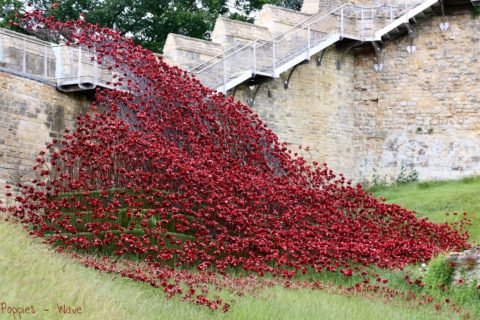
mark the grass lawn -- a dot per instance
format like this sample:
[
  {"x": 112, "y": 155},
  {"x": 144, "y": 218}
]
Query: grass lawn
[
  {"x": 33, "y": 275},
  {"x": 434, "y": 199}
]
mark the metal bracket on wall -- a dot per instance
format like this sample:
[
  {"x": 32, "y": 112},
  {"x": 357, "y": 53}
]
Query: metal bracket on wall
[
  {"x": 251, "y": 100},
  {"x": 320, "y": 58},
  {"x": 378, "y": 54},
  {"x": 444, "y": 24},
  {"x": 287, "y": 82},
  {"x": 234, "y": 92},
  {"x": 340, "y": 61},
  {"x": 411, "y": 36}
]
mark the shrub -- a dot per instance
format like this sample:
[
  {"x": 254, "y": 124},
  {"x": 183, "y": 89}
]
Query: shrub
[
  {"x": 439, "y": 273},
  {"x": 405, "y": 176}
]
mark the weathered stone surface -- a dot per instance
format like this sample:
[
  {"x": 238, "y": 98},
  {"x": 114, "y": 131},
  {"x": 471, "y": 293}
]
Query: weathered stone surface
[
  {"x": 314, "y": 6},
  {"x": 466, "y": 264},
  {"x": 420, "y": 111},
  {"x": 423, "y": 105},
  {"x": 315, "y": 111},
  {"x": 230, "y": 32},
  {"x": 187, "y": 52},
  {"x": 278, "y": 19},
  {"x": 31, "y": 114}
]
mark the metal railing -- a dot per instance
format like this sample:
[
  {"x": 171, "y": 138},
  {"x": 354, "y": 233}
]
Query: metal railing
[
  {"x": 58, "y": 64},
  {"x": 241, "y": 45},
  {"x": 72, "y": 67},
  {"x": 27, "y": 55},
  {"x": 266, "y": 57}
]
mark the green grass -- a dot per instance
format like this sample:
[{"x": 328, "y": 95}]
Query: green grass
[
  {"x": 434, "y": 199},
  {"x": 31, "y": 274}
]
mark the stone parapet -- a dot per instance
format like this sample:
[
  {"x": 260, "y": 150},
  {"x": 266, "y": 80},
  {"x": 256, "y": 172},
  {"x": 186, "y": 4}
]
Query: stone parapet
[
  {"x": 278, "y": 19},
  {"x": 186, "y": 52},
  {"x": 230, "y": 32}
]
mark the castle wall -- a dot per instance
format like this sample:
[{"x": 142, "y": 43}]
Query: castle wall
[
  {"x": 423, "y": 109},
  {"x": 315, "y": 111},
  {"x": 32, "y": 113},
  {"x": 420, "y": 111}
]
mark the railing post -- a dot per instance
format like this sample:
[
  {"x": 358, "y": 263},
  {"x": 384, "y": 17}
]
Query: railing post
[
  {"x": 45, "y": 63},
  {"x": 254, "y": 71},
  {"x": 79, "y": 63},
  {"x": 95, "y": 67},
  {"x": 406, "y": 11},
  {"x": 274, "y": 58},
  {"x": 309, "y": 42},
  {"x": 362, "y": 19},
  {"x": 1, "y": 47},
  {"x": 224, "y": 76},
  {"x": 24, "y": 58},
  {"x": 59, "y": 66},
  {"x": 342, "y": 27}
]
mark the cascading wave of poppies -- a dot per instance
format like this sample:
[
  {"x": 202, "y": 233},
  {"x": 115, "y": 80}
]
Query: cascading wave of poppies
[{"x": 172, "y": 172}]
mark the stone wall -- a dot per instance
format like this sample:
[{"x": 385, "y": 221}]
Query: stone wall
[
  {"x": 189, "y": 52},
  {"x": 466, "y": 265},
  {"x": 316, "y": 110},
  {"x": 421, "y": 110},
  {"x": 32, "y": 113}
]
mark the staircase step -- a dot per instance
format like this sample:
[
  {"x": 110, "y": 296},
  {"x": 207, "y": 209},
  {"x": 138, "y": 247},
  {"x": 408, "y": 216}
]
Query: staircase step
[
  {"x": 186, "y": 52},
  {"x": 282, "y": 38},
  {"x": 230, "y": 32}
]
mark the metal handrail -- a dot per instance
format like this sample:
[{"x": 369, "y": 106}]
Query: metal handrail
[
  {"x": 286, "y": 48},
  {"x": 291, "y": 30},
  {"x": 219, "y": 56},
  {"x": 342, "y": 12},
  {"x": 251, "y": 43},
  {"x": 294, "y": 28},
  {"x": 222, "y": 54}
]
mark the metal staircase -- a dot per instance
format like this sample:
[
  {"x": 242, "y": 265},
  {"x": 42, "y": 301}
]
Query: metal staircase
[
  {"x": 73, "y": 68},
  {"x": 270, "y": 58}
]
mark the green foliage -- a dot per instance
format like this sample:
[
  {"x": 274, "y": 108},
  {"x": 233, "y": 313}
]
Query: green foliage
[
  {"x": 378, "y": 181},
  {"x": 405, "y": 175},
  {"x": 466, "y": 294},
  {"x": 476, "y": 12},
  {"x": 438, "y": 282},
  {"x": 439, "y": 274},
  {"x": 8, "y": 8}
]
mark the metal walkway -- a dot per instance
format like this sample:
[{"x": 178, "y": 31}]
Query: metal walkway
[{"x": 270, "y": 58}]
